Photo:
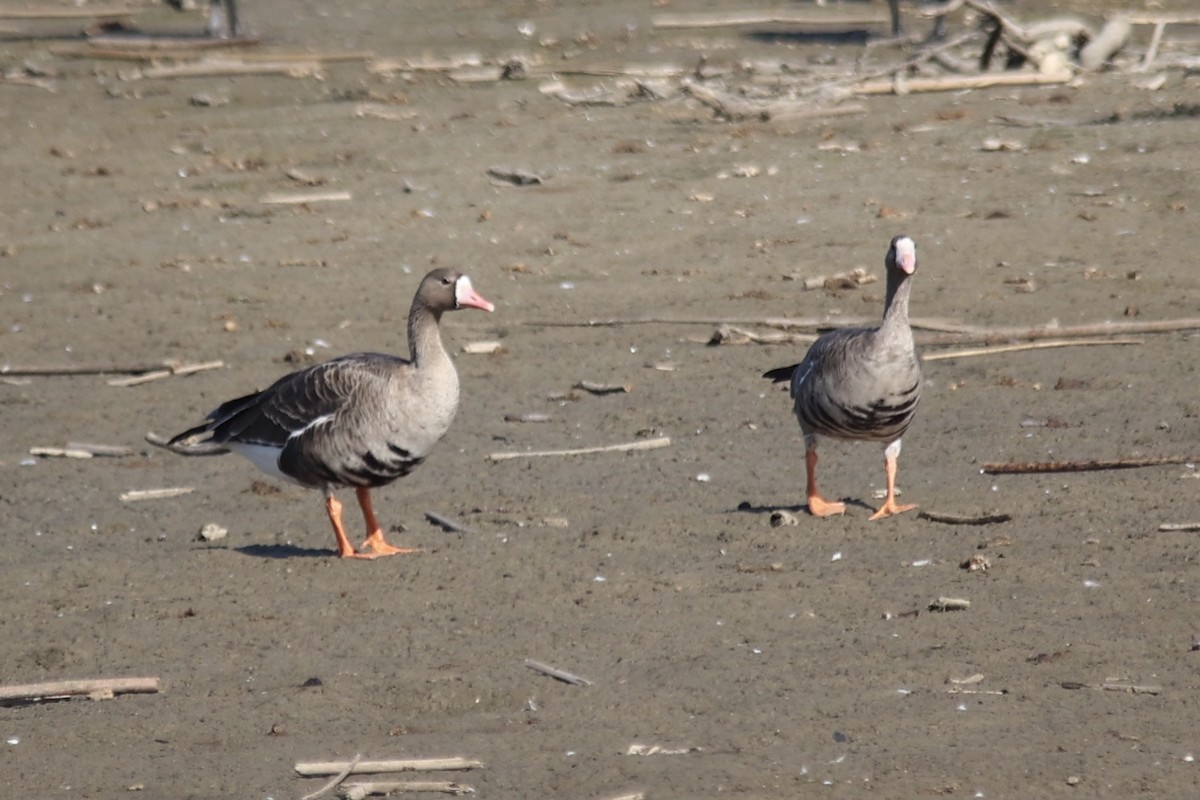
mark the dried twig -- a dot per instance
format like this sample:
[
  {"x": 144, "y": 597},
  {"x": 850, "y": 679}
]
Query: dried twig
[
  {"x": 1129, "y": 688},
  {"x": 592, "y": 387},
  {"x": 341, "y": 776},
  {"x": 135, "y": 495},
  {"x": 86, "y": 12},
  {"x": 446, "y": 523},
  {"x": 953, "y": 83},
  {"x": 1026, "y": 467},
  {"x": 949, "y": 604},
  {"x": 1179, "y": 526},
  {"x": 217, "y": 68},
  {"x": 1014, "y": 348},
  {"x": 643, "y": 444},
  {"x": 310, "y": 768},
  {"x": 958, "y": 519},
  {"x": 69, "y": 369},
  {"x": 357, "y": 791},
  {"x": 299, "y": 198},
  {"x": 59, "y": 452},
  {"x": 730, "y": 19},
  {"x": 170, "y": 371},
  {"x": 559, "y": 674},
  {"x": 98, "y": 688},
  {"x": 109, "y": 450}
]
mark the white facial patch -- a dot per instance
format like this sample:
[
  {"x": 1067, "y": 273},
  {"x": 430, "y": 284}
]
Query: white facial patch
[
  {"x": 906, "y": 254},
  {"x": 462, "y": 290}
]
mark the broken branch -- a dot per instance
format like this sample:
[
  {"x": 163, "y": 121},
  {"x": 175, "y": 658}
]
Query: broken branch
[
  {"x": 1026, "y": 467},
  {"x": 98, "y": 688},
  {"x": 555, "y": 672},
  {"x": 645, "y": 444},
  {"x": 310, "y": 768}
]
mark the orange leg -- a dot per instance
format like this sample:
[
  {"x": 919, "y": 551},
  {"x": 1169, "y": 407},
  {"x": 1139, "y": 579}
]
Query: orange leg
[
  {"x": 818, "y": 506},
  {"x": 333, "y": 507},
  {"x": 374, "y": 541},
  {"x": 890, "y": 506}
]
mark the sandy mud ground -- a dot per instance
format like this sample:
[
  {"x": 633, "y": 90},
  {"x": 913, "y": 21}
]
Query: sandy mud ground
[{"x": 766, "y": 661}]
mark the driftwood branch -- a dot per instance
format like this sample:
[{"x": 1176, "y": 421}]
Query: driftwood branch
[
  {"x": 88, "y": 12},
  {"x": 1179, "y": 526},
  {"x": 134, "y": 495},
  {"x": 733, "y": 19},
  {"x": 1028, "y": 467},
  {"x": 644, "y": 444},
  {"x": 311, "y": 768},
  {"x": 1015, "y": 348},
  {"x": 341, "y": 776},
  {"x": 959, "y": 519},
  {"x": 446, "y": 523},
  {"x": 555, "y": 672},
  {"x": 359, "y": 790},
  {"x": 97, "y": 688}
]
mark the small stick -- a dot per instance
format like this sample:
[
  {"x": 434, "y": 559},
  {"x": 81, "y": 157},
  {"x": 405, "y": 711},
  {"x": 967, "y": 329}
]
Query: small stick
[
  {"x": 201, "y": 449},
  {"x": 135, "y": 495},
  {"x": 341, "y": 776},
  {"x": 299, "y": 198},
  {"x": 68, "y": 369},
  {"x": 1130, "y": 688},
  {"x": 1179, "y": 526},
  {"x": 604, "y": 388},
  {"x": 1152, "y": 49},
  {"x": 204, "y": 69},
  {"x": 528, "y": 416},
  {"x": 90, "y": 12},
  {"x": 742, "y": 18},
  {"x": 311, "y": 768},
  {"x": 94, "y": 687},
  {"x": 644, "y": 444},
  {"x": 949, "y": 604},
  {"x": 59, "y": 452},
  {"x": 183, "y": 369},
  {"x": 447, "y": 523},
  {"x": 357, "y": 791},
  {"x": 957, "y": 519},
  {"x": 1026, "y": 467},
  {"x": 992, "y": 350},
  {"x": 952, "y": 83},
  {"x": 554, "y": 672},
  {"x": 111, "y": 450}
]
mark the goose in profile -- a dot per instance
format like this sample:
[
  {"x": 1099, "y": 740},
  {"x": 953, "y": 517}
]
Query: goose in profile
[
  {"x": 361, "y": 420},
  {"x": 861, "y": 384}
]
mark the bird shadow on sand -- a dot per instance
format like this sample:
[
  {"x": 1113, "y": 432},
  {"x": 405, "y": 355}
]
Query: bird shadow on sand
[
  {"x": 746, "y": 507},
  {"x": 283, "y": 551}
]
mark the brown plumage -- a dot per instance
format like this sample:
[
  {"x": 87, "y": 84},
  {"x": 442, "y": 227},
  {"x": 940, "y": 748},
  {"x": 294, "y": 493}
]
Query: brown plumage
[
  {"x": 861, "y": 383},
  {"x": 362, "y": 420}
]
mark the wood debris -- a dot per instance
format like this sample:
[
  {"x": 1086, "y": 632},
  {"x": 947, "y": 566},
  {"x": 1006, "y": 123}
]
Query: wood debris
[
  {"x": 357, "y": 767},
  {"x": 95, "y": 688},
  {"x": 949, "y": 604},
  {"x": 361, "y": 789},
  {"x": 641, "y": 444},
  {"x": 1131, "y": 462},
  {"x": 135, "y": 495},
  {"x": 960, "y": 519},
  {"x": 556, "y": 673}
]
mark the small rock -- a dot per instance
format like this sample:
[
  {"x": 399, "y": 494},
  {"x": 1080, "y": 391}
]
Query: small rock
[{"x": 212, "y": 532}]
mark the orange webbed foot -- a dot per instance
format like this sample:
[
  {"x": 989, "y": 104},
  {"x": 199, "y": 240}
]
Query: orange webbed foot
[
  {"x": 379, "y": 547},
  {"x": 891, "y": 508},
  {"x": 820, "y": 507}
]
